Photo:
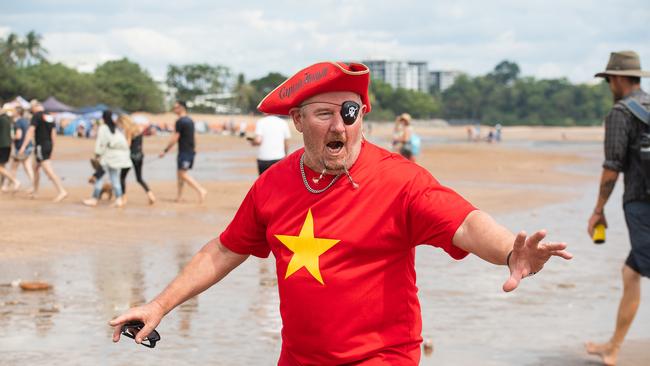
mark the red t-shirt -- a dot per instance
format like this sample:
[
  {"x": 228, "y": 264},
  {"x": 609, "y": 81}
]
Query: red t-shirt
[{"x": 345, "y": 258}]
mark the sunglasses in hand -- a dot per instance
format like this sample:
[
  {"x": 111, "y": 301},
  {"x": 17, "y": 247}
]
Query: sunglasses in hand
[{"x": 130, "y": 329}]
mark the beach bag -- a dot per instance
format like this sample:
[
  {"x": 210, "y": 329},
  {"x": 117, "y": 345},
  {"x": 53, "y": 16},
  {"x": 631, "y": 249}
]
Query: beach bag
[{"x": 643, "y": 115}]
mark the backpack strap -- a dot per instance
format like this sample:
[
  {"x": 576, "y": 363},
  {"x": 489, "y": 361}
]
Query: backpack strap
[{"x": 637, "y": 110}]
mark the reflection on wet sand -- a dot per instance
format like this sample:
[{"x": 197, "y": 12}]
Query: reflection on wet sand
[
  {"x": 266, "y": 306},
  {"x": 187, "y": 309},
  {"x": 119, "y": 281}
]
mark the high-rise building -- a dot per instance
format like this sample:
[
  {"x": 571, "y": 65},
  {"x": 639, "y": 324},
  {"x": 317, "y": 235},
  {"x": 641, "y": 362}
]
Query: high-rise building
[
  {"x": 412, "y": 75},
  {"x": 441, "y": 80}
]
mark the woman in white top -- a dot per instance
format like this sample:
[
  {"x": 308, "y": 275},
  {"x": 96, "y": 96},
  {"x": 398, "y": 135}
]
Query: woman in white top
[{"x": 113, "y": 151}]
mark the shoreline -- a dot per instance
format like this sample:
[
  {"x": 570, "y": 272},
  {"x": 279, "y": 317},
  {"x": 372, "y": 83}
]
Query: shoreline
[{"x": 495, "y": 178}]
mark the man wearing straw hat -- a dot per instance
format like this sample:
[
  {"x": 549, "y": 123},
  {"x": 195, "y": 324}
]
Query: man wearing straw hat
[
  {"x": 627, "y": 130},
  {"x": 342, "y": 218}
]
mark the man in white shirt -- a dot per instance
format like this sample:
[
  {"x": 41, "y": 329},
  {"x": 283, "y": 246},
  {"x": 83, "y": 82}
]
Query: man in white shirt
[{"x": 272, "y": 136}]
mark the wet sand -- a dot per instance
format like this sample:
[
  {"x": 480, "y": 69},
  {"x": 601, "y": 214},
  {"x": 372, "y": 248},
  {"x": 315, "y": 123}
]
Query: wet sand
[{"x": 102, "y": 260}]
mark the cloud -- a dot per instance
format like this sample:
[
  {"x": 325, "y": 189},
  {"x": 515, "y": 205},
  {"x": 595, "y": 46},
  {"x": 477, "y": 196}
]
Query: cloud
[
  {"x": 570, "y": 38},
  {"x": 4, "y": 31}
]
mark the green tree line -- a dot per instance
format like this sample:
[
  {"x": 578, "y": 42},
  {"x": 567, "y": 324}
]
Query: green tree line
[
  {"x": 501, "y": 96},
  {"x": 25, "y": 71}
]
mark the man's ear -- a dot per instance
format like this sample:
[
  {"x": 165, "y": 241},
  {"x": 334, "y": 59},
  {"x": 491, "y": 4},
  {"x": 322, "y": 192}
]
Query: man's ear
[{"x": 296, "y": 116}]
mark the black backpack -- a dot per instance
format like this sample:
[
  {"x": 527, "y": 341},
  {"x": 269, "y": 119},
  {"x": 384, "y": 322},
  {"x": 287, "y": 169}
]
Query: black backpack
[{"x": 643, "y": 115}]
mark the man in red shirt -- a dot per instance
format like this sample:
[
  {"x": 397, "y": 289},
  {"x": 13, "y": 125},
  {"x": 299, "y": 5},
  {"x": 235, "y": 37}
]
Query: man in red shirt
[{"x": 343, "y": 217}]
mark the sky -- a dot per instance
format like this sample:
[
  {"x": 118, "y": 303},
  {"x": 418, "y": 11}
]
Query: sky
[{"x": 547, "y": 39}]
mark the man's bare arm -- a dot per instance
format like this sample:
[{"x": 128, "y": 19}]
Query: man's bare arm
[
  {"x": 209, "y": 266},
  {"x": 172, "y": 141},
  {"x": 482, "y": 236},
  {"x": 607, "y": 183},
  {"x": 525, "y": 255}
]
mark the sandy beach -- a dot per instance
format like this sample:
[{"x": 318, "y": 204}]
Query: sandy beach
[{"x": 102, "y": 260}]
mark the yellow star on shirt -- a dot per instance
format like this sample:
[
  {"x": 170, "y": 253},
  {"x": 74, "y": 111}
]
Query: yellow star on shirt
[{"x": 306, "y": 249}]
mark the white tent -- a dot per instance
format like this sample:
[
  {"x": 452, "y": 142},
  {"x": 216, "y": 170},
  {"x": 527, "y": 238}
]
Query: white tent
[
  {"x": 140, "y": 119},
  {"x": 20, "y": 101}
]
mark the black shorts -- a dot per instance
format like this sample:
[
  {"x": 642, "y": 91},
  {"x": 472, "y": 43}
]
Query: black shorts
[
  {"x": 4, "y": 154},
  {"x": 185, "y": 160},
  {"x": 262, "y": 165},
  {"x": 43, "y": 152},
  {"x": 637, "y": 216}
]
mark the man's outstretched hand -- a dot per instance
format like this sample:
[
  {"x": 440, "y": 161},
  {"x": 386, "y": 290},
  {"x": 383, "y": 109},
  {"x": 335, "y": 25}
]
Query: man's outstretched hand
[
  {"x": 529, "y": 256},
  {"x": 150, "y": 314}
]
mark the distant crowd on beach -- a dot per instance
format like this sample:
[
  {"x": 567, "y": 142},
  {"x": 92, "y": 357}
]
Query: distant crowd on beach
[
  {"x": 493, "y": 135},
  {"x": 28, "y": 135}
]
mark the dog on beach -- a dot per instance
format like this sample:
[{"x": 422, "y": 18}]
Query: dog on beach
[{"x": 107, "y": 188}]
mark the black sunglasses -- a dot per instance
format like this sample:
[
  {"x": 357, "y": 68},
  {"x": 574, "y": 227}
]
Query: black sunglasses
[
  {"x": 349, "y": 110},
  {"x": 607, "y": 79},
  {"x": 130, "y": 329}
]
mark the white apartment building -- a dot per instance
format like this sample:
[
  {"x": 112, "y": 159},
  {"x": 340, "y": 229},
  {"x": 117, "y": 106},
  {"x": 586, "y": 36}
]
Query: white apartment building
[
  {"x": 441, "y": 80},
  {"x": 412, "y": 75}
]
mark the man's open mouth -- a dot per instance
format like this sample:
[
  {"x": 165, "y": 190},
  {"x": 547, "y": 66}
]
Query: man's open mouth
[{"x": 334, "y": 147}]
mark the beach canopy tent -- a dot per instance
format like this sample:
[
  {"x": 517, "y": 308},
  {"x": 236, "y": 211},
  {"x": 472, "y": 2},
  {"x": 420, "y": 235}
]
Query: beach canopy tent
[
  {"x": 97, "y": 109},
  {"x": 71, "y": 128},
  {"x": 20, "y": 101},
  {"x": 52, "y": 104}
]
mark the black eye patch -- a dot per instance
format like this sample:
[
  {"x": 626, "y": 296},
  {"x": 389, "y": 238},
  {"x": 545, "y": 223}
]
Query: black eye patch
[{"x": 350, "y": 112}]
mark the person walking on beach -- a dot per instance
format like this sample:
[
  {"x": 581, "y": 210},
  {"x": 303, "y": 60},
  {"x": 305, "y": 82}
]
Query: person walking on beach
[
  {"x": 184, "y": 136},
  {"x": 272, "y": 136},
  {"x": 624, "y": 137},
  {"x": 5, "y": 147},
  {"x": 43, "y": 131},
  {"x": 134, "y": 138},
  {"x": 342, "y": 217},
  {"x": 21, "y": 125},
  {"x": 113, "y": 152}
]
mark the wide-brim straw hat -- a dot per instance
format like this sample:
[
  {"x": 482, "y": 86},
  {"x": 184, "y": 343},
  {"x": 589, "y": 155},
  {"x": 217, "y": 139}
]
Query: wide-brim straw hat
[
  {"x": 404, "y": 117},
  {"x": 624, "y": 63}
]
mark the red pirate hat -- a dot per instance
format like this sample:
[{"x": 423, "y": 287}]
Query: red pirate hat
[{"x": 319, "y": 78}]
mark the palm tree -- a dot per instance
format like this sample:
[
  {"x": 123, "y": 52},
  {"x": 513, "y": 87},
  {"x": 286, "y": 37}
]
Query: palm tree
[
  {"x": 12, "y": 49},
  {"x": 34, "y": 48}
]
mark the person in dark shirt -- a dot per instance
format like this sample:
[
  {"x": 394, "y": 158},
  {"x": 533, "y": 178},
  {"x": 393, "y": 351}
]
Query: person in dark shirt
[
  {"x": 43, "y": 131},
  {"x": 184, "y": 136},
  {"x": 623, "y": 130},
  {"x": 5, "y": 146},
  {"x": 133, "y": 136},
  {"x": 21, "y": 125}
]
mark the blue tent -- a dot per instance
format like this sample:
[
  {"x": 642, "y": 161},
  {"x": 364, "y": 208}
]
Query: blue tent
[
  {"x": 71, "y": 128},
  {"x": 98, "y": 109}
]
